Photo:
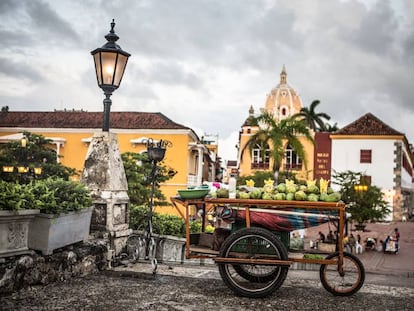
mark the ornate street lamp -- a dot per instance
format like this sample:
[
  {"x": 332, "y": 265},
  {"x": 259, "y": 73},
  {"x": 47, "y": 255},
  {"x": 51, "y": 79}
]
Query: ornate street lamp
[
  {"x": 359, "y": 188},
  {"x": 110, "y": 62},
  {"x": 23, "y": 142},
  {"x": 37, "y": 170},
  {"x": 156, "y": 153},
  {"x": 8, "y": 169},
  {"x": 156, "y": 150}
]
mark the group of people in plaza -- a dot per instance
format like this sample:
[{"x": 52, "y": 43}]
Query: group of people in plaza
[
  {"x": 354, "y": 244},
  {"x": 330, "y": 238},
  {"x": 391, "y": 243},
  {"x": 351, "y": 244}
]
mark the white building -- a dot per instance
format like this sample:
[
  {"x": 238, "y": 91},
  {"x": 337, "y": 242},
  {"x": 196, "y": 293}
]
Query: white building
[{"x": 383, "y": 154}]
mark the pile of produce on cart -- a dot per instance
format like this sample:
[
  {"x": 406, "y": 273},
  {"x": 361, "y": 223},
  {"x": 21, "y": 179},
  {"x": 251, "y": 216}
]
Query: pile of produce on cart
[
  {"x": 286, "y": 218},
  {"x": 288, "y": 190}
]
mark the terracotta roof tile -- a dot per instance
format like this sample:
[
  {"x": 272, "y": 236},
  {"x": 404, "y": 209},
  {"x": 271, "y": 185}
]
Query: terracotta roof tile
[
  {"x": 368, "y": 124},
  {"x": 83, "y": 119}
]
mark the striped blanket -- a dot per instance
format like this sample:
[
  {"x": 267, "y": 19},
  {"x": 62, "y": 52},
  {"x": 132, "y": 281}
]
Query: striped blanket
[{"x": 288, "y": 219}]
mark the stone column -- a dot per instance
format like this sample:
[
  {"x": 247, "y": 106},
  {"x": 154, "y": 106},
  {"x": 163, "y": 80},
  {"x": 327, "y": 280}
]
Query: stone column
[{"x": 104, "y": 175}]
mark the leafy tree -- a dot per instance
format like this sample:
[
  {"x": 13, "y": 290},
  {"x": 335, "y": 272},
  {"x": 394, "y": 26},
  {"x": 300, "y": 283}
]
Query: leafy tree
[
  {"x": 138, "y": 173},
  {"x": 366, "y": 205},
  {"x": 312, "y": 118},
  {"x": 277, "y": 135},
  {"x": 37, "y": 152}
]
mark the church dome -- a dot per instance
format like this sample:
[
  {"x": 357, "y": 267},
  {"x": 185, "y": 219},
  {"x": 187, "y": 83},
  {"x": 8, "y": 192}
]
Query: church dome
[{"x": 283, "y": 101}]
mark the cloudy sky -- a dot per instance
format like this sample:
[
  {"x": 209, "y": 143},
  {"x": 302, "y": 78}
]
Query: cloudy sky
[{"x": 203, "y": 63}]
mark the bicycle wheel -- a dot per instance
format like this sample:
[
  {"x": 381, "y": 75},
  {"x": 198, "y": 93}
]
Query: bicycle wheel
[
  {"x": 346, "y": 283},
  {"x": 253, "y": 280}
]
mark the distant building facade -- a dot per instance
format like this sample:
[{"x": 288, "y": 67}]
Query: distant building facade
[
  {"x": 383, "y": 154},
  {"x": 71, "y": 132},
  {"x": 367, "y": 145}
]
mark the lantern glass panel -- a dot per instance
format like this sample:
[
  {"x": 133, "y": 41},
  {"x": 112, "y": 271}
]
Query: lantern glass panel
[
  {"x": 108, "y": 67},
  {"x": 120, "y": 68},
  {"x": 97, "y": 59}
]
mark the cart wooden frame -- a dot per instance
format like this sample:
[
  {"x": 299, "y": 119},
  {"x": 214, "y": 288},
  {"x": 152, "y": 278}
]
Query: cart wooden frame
[{"x": 253, "y": 272}]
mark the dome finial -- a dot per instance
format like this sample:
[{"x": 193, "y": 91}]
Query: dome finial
[
  {"x": 283, "y": 75},
  {"x": 251, "y": 111}
]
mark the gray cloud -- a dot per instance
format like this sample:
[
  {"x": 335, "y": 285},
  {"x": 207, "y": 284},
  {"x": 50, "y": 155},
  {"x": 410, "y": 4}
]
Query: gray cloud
[
  {"x": 215, "y": 58},
  {"x": 20, "y": 70},
  {"x": 44, "y": 18},
  {"x": 377, "y": 31},
  {"x": 171, "y": 73}
]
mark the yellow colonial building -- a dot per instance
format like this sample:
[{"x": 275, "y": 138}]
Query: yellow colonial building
[
  {"x": 283, "y": 101},
  {"x": 71, "y": 131}
]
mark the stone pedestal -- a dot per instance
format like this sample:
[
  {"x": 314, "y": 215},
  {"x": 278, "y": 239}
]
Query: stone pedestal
[{"x": 104, "y": 175}]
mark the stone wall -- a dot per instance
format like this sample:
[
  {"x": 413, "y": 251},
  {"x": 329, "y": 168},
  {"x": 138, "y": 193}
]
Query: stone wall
[
  {"x": 34, "y": 269},
  {"x": 81, "y": 259}
]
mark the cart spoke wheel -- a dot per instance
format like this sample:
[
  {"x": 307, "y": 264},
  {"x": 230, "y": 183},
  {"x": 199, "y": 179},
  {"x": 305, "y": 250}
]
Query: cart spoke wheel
[
  {"x": 253, "y": 280},
  {"x": 346, "y": 282}
]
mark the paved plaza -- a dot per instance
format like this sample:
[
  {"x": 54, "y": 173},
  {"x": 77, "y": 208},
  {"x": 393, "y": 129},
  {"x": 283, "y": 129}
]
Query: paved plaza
[
  {"x": 401, "y": 264},
  {"x": 389, "y": 285},
  {"x": 378, "y": 265}
]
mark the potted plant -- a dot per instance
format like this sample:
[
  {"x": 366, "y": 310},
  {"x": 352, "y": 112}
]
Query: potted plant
[
  {"x": 16, "y": 212},
  {"x": 65, "y": 214}
]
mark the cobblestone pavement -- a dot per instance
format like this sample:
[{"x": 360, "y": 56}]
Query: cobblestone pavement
[{"x": 203, "y": 291}]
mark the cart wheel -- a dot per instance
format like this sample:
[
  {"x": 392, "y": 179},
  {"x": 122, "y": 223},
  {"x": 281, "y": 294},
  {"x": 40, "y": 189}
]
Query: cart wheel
[
  {"x": 346, "y": 283},
  {"x": 255, "y": 273},
  {"x": 253, "y": 280}
]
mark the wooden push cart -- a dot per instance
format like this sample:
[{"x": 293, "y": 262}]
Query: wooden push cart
[{"x": 253, "y": 261}]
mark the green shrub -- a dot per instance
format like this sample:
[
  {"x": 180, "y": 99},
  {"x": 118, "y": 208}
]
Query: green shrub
[
  {"x": 163, "y": 224},
  {"x": 195, "y": 226},
  {"x": 57, "y": 195},
  {"x": 51, "y": 195},
  {"x": 14, "y": 196}
]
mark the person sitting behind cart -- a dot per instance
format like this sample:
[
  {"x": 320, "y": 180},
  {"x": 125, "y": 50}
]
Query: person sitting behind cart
[
  {"x": 370, "y": 243},
  {"x": 330, "y": 238},
  {"x": 320, "y": 239},
  {"x": 396, "y": 239}
]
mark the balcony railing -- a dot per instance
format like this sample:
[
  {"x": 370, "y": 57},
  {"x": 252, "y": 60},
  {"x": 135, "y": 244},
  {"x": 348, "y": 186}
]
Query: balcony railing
[
  {"x": 260, "y": 166},
  {"x": 265, "y": 166},
  {"x": 292, "y": 166}
]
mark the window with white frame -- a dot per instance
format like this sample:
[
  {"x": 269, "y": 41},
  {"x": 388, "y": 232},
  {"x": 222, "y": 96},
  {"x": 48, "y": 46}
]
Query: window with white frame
[
  {"x": 261, "y": 154},
  {"x": 292, "y": 160}
]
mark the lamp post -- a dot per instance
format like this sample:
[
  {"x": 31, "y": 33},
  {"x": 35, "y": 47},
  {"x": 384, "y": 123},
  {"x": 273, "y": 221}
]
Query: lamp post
[
  {"x": 156, "y": 153},
  {"x": 360, "y": 189},
  {"x": 103, "y": 170},
  {"x": 110, "y": 62}
]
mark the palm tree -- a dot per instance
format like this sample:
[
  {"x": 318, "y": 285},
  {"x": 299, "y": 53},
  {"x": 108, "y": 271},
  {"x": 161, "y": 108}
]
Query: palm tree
[
  {"x": 313, "y": 119},
  {"x": 331, "y": 127},
  {"x": 278, "y": 135}
]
